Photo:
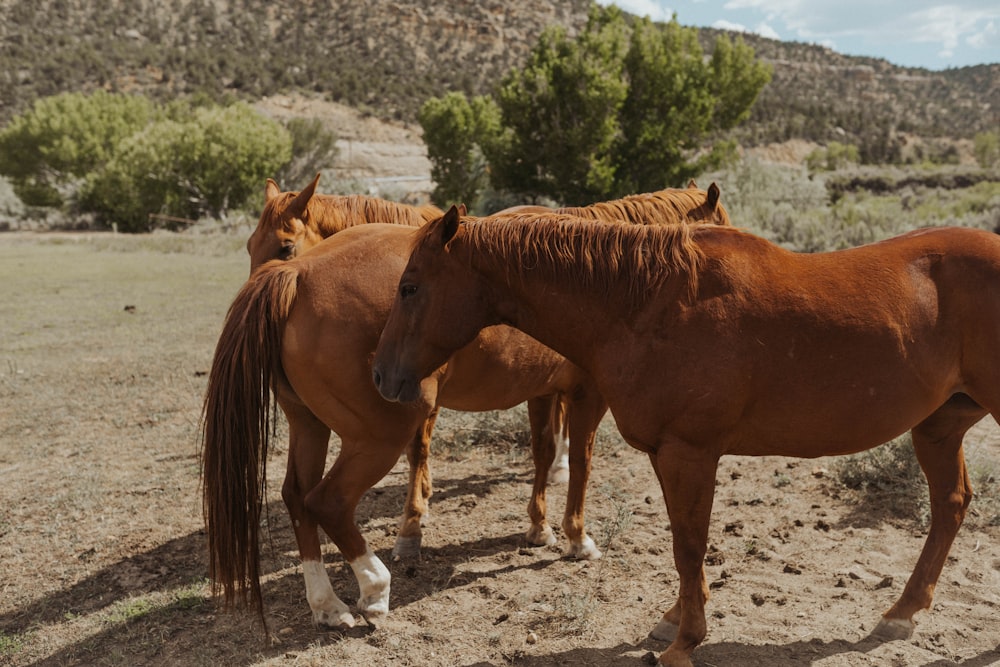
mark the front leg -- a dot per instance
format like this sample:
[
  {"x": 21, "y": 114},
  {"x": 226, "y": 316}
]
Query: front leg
[
  {"x": 418, "y": 492},
  {"x": 687, "y": 479}
]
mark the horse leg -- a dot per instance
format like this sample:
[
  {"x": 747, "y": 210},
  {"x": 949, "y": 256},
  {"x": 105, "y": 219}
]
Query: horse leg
[
  {"x": 559, "y": 424},
  {"x": 308, "y": 444},
  {"x": 419, "y": 492},
  {"x": 541, "y": 409},
  {"x": 584, "y": 416},
  {"x": 666, "y": 629},
  {"x": 937, "y": 442},
  {"x": 359, "y": 466},
  {"x": 687, "y": 479}
]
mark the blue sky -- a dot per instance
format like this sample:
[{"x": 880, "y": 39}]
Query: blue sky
[{"x": 912, "y": 33}]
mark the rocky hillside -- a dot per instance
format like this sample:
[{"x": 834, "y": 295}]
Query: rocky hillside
[{"x": 386, "y": 57}]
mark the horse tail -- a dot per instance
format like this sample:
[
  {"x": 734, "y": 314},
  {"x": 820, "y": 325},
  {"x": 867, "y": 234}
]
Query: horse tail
[{"x": 236, "y": 425}]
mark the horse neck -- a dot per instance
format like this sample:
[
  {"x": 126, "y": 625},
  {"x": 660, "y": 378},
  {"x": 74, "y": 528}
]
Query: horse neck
[{"x": 554, "y": 311}]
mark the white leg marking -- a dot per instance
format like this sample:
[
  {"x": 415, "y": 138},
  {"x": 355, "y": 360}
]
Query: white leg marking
[
  {"x": 326, "y": 607},
  {"x": 894, "y": 628},
  {"x": 559, "y": 472},
  {"x": 585, "y": 549},
  {"x": 373, "y": 582}
]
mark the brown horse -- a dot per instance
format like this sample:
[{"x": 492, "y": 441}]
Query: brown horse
[
  {"x": 293, "y": 222},
  {"x": 766, "y": 352},
  {"x": 307, "y": 329}
]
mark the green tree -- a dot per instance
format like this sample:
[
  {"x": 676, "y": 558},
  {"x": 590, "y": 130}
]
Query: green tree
[
  {"x": 560, "y": 113},
  {"x": 314, "y": 148},
  {"x": 986, "y": 148},
  {"x": 679, "y": 105},
  {"x": 455, "y": 130},
  {"x": 621, "y": 108},
  {"x": 47, "y": 150},
  {"x": 203, "y": 166}
]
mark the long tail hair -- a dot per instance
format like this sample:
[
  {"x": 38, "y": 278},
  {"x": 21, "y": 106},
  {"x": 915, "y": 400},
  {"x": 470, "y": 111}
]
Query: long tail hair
[{"x": 236, "y": 430}]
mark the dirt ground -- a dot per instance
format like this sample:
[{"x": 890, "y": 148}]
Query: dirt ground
[{"x": 104, "y": 343}]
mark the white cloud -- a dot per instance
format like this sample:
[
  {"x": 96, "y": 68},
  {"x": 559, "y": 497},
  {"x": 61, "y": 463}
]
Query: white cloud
[
  {"x": 762, "y": 29},
  {"x": 651, "y": 8},
  {"x": 723, "y": 24},
  {"x": 984, "y": 38}
]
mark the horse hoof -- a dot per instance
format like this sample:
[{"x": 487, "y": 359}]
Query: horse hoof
[
  {"x": 540, "y": 537},
  {"x": 892, "y": 629},
  {"x": 375, "y": 615},
  {"x": 406, "y": 547},
  {"x": 665, "y": 631},
  {"x": 334, "y": 620},
  {"x": 558, "y": 476},
  {"x": 585, "y": 550},
  {"x": 674, "y": 659}
]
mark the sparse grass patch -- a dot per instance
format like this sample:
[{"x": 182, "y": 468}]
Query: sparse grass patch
[
  {"x": 129, "y": 610},
  {"x": 890, "y": 475},
  {"x": 10, "y": 645}
]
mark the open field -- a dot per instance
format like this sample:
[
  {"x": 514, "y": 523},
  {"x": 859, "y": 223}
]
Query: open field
[{"x": 104, "y": 343}]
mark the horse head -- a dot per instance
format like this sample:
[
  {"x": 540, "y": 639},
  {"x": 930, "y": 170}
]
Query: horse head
[{"x": 285, "y": 228}]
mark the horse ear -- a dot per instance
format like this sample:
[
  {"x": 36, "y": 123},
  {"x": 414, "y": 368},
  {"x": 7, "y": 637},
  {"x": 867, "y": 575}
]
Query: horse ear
[
  {"x": 298, "y": 205},
  {"x": 713, "y": 195},
  {"x": 449, "y": 223},
  {"x": 271, "y": 189},
  {"x": 692, "y": 185},
  {"x": 462, "y": 210}
]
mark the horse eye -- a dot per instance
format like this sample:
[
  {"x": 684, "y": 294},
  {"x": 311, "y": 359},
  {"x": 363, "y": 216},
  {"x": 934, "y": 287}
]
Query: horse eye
[
  {"x": 407, "y": 290},
  {"x": 286, "y": 251}
]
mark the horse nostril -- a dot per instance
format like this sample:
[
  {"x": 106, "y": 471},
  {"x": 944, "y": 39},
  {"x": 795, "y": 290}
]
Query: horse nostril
[{"x": 377, "y": 377}]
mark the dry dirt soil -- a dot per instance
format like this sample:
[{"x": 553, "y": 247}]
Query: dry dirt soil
[{"x": 104, "y": 343}]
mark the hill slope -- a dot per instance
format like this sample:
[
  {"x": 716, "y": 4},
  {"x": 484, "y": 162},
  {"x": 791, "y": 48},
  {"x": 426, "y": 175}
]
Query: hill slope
[{"x": 386, "y": 58}]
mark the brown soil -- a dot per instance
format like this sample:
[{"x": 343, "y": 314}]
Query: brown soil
[{"x": 103, "y": 554}]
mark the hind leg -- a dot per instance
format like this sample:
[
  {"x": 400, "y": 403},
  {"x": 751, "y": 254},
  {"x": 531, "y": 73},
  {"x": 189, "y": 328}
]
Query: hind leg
[
  {"x": 559, "y": 424},
  {"x": 541, "y": 411},
  {"x": 937, "y": 442},
  {"x": 308, "y": 444},
  {"x": 586, "y": 409},
  {"x": 360, "y": 465},
  {"x": 419, "y": 491}
]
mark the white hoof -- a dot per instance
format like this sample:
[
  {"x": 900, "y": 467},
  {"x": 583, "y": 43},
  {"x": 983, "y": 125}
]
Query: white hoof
[
  {"x": 585, "y": 550},
  {"x": 373, "y": 582},
  {"x": 665, "y": 631},
  {"x": 558, "y": 475},
  {"x": 894, "y": 628},
  {"x": 406, "y": 546},
  {"x": 328, "y": 609},
  {"x": 540, "y": 536}
]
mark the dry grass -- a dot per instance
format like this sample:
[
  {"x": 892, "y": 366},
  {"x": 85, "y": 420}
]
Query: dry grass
[{"x": 102, "y": 547}]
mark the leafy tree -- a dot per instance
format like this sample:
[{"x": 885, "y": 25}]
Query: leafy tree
[
  {"x": 621, "y": 108},
  {"x": 560, "y": 113},
  {"x": 314, "y": 148},
  {"x": 454, "y": 130},
  {"x": 986, "y": 148},
  {"x": 202, "y": 166},
  {"x": 48, "y": 149}
]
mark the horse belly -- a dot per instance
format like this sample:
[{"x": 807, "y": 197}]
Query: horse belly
[{"x": 500, "y": 369}]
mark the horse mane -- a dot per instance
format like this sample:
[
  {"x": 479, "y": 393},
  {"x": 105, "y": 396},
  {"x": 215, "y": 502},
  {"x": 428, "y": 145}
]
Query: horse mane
[
  {"x": 671, "y": 205},
  {"x": 637, "y": 259},
  {"x": 334, "y": 213}
]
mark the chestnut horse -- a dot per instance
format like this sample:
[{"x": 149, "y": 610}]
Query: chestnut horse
[
  {"x": 708, "y": 341},
  {"x": 293, "y": 222},
  {"x": 307, "y": 329}
]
